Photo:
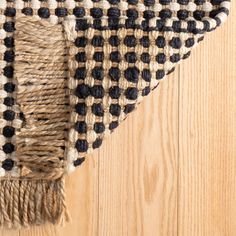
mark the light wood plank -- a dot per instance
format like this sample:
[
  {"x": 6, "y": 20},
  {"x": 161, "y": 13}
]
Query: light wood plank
[
  {"x": 6, "y": 232},
  {"x": 207, "y": 164},
  {"x": 138, "y": 169}
]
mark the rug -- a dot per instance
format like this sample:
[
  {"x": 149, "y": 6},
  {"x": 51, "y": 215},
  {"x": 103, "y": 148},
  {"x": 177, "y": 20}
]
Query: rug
[{"x": 71, "y": 72}]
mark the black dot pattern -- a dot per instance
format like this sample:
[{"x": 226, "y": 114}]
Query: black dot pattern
[
  {"x": 121, "y": 52},
  {"x": 129, "y": 58},
  {"x": 8, "y": 114}
]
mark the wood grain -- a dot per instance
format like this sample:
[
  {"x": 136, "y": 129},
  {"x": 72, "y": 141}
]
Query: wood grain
[
  {"x": 207, "y": 138},
  {"x": 138, "y": 185},
  {"x": 170, "y": 168}
]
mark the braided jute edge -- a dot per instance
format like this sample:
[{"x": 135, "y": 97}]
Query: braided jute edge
[
  {"x": 38, "y": 195},
  {"x": 32, "y": 202},
  {"x": 41, "y": 97}
]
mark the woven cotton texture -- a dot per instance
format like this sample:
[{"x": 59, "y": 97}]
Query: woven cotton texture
[{"x": 71, "y": 72}]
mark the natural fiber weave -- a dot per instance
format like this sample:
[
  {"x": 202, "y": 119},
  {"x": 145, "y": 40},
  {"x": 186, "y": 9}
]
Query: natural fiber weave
[{"x": 71, "y": 72}]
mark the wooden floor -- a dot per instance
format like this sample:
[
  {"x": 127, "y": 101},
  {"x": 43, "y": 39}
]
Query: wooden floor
[{"x": 170, "y": 169}]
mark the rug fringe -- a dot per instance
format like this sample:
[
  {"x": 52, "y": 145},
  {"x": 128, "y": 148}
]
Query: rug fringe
[{"x": 29, "y": 202}]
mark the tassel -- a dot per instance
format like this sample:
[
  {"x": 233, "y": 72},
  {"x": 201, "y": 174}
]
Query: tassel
[{"x": 32, "y": 202}]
